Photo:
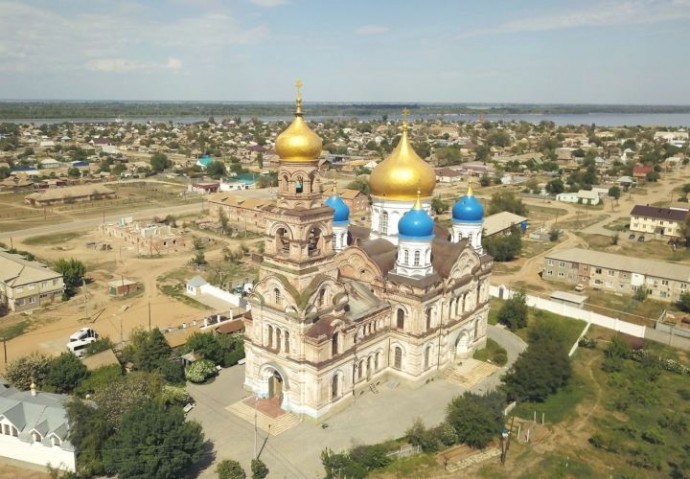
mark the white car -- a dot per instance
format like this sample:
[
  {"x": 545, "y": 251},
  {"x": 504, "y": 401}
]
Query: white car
[
  {"x": 78, "y": 347},
  {"x": 84, "y": 333}
]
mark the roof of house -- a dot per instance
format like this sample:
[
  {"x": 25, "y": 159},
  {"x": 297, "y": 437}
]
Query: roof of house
[
  {"x": 196, "y": 282},
  {"x": 350, "y": 194},
  {"x": 99, "y": 360},
  {"x": 673, "y": 214},
  {"x": 43, "y": 413},
  {"x": 231, "y": 327},
  {"x": 647, "y": 267},
  {"x": 501, "y": 221},
  {"x": 17, "y": 271},
  {"x": 642, "y": 170},
  {"x": 588, "y": 194}
]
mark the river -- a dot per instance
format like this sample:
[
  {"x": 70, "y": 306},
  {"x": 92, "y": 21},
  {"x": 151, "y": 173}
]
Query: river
[{"x": 599, "y": 119}]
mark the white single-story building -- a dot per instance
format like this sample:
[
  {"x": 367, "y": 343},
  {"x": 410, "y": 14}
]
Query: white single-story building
[
  {"x": 34, "y": 428},
  {"x": 585, "y": 197}
]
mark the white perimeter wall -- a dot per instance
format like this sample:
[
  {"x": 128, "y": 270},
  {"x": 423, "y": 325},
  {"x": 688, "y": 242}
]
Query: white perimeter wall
[
  {"x": 37, "y": 453},
  {"x": 607, "y": 322}
]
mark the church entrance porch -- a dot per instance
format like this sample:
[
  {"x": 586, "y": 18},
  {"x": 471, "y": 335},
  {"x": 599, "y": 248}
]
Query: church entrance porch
[
  {"x": 275, "y": 387},
  {"x": 462, "y": 346}
]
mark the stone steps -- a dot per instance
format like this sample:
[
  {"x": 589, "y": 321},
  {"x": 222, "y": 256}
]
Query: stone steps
[
  {"x": 273, "y": 426},
  {"x": 474, "y": 459}
]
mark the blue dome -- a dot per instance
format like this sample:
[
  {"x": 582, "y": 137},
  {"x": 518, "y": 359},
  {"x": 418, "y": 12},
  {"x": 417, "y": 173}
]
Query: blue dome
[
  {"x": 342, "y": 212},
  {"x": 416, "y": 223},
  {"x": 468, "y": 209}
]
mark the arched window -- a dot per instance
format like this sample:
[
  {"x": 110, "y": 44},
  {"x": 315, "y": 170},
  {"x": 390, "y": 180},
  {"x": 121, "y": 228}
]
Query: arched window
[
  {"x": 279, "y": 336},
  {"x": 287, "y": 341},
  {"x": 277, "y": 296},
  {"x": 270, "y": 336},
  {"x": 406, "y": 257},
  {"x": 368, "y": 367},
  {"x": 417, "y": 257},
  {"x": 313, "y": 241},
  {"x": 322, "y": 296},
  {"x": 334, "y": 387},
  {"x": 299, "y": 185},
  {"x": 36, "y": 436},
  {"x": 383, "y": 224},
  {"x": 284, "y": 183},
  {"x": 360, "y": 371},
  {"x": 376, "y": 361},
  {"x": 427, "y": 357},
  {"x": 398, "y": 353},
  {"x": 334, "y": 344},
  {"x": 282, "y": 243},
  {"x": 400, "y": 319},
  {"x": 428, "y": 319}
]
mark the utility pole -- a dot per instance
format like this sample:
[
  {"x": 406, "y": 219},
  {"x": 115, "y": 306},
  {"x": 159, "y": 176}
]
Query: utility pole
[{"x": 4, "y": 347}]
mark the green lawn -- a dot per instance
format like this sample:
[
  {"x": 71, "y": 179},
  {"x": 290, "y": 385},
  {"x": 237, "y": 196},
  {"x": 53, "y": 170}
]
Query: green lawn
[
  {"x": 568, "y": 327},
  {"x": 56, "y": 238},
  {"x": 493, "y": 353},
  {"x": 559, "y": 406},
  {"x": 17, "y": 329}
]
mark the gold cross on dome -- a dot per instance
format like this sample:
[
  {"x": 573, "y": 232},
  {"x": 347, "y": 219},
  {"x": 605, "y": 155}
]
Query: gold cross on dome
[
  {"x": 299, "y": 85},
  {"x": 405, "y": 114}
]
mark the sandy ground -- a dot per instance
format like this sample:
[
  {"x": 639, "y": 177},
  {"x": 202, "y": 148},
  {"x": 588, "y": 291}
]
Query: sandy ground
[
  {"x": 92, "y": 307},
  {"x": 8, "y": 471}
]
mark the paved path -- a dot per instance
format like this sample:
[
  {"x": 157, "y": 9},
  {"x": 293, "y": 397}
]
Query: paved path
[{"x": 371, "y": 418}]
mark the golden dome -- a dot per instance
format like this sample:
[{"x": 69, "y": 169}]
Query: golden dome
[
  {"x": 298, "y": 142},
  {"x": 399, "y": 176}
]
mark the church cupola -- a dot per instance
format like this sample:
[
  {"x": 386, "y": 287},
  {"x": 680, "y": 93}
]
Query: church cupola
[
  {"x": 395, "y": 184},
  {"x": 416, "y": 233},
  {"x": 299, "y": 184},
  {"x": 341, "y": 220},
  {"x": 468, "y": 220}
]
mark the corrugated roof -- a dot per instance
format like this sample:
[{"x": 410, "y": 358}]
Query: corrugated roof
[{"x": 673, "y": 214}]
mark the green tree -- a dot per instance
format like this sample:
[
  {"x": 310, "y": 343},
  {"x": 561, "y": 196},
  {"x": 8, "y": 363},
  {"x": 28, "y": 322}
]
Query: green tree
[
  {"x": 153, "y": 442},
  {"x": 476, "y": 419},
  {"x": 89, "y": 430},
  {"x": 65, "y": 373},
  {"x": 555, "y": 186},
  {"x": 438, "y": 205},
  {"x": 73, "y": 172},
  {"x": 615, "y": 192},
  {"x": 684, "y": 302},
  {"x": 506, "y": 201},
  {"x": 4, "y": 172},
  {"x": 259, "y": 469},
  {"x": 504, "y": 247},
  {"x": 159, "y": 162},
  {"x": 514, "y": 311},
  {"x": 199, "y": 371},
  {"x": 205, "y": 345},
  {"x": 542, "y": 369},
  {"x": 216, "y": 169},
  {"x": 27, "y": 369},
  {"x": 147, "y": 349},
  {"x": 72, "y": 271},
  {"x": 124, "y": 393},
  {"x": 482, "y": 153},
  {"x": 229, "y": 469},
  {"x": 485, "y": 180}
]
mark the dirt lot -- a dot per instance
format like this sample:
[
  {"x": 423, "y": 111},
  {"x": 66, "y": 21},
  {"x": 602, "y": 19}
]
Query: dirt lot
[{"x": 116, "y": 318}]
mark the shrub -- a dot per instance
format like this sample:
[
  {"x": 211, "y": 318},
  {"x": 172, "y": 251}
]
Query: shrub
[
  {"x": 231, "y": 358},
  {"x": 200, "y": 371},
  {"x": 229, "y": 469},
  {"x": 500, "y": 358}
]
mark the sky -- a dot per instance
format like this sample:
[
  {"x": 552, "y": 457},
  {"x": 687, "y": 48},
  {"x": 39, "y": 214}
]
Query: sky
[{"x": 414, "y": 51}]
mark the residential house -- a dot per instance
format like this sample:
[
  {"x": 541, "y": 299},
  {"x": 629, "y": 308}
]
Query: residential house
[
  {"x": 503, "y": 223},
  {"x": 34, "y": 428},
  {"x": 448, "y": 175},
  {"x": 585, "y": 197},
  {"x": 357, "y": 201},
  {"x": 27, "y": 284},
  {"x": 640, "y": 172},
  {"x": 70, "y": 194},
  {"x": 665, "y": 222},
  {"x": 617, "y": 273}
]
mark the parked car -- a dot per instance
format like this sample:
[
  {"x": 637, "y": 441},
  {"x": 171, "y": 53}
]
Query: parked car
[
  {"x": 640, "y": 238},
  {"x": 84, "y": 333},
  {"x": 78, "y": 347},
  {"x": 631, "y": 236}
]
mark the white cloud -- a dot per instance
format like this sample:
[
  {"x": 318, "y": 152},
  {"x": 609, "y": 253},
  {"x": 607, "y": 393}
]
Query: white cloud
[
  {"x": 372, "y": 30},
  {"x": 604, "y": 14},
  {"x": 269, "y": 3},
  {"x": 124, "y": 65},
  {"x": 119, "y": 40}
]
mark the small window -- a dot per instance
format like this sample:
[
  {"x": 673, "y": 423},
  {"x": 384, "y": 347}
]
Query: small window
[
  {"x": 417, "y": 257},
  {"x": 277, "y": 296},
  {"x": 597, "y": 271},
  {"x": 664, "y": 282}
]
